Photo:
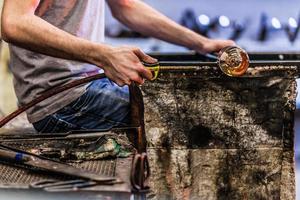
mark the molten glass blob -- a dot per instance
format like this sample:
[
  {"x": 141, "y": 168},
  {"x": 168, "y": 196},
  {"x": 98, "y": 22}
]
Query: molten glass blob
[{"x": 233, "y": 61}]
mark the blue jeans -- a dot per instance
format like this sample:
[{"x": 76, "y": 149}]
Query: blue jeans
[{"x": 103, "y": 106}]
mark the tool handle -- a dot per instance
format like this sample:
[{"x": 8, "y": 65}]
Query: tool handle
[
  {"x": 154, "y": 68},
  {"x": 14, "y": 156}
]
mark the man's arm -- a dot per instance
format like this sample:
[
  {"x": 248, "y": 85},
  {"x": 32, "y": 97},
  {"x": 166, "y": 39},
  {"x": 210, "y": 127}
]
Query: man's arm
[
  {"x": 20, "y": 26},
  {"x": 142, "y": 18}
]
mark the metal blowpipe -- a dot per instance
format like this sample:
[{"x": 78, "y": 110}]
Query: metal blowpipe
[{"x": 232, "y": 60}]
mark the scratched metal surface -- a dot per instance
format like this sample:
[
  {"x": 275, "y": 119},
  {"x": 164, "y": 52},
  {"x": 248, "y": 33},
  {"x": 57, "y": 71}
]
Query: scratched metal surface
[
  {"x": 213, "y": 137},
  {"x": 22, "y": 176},
  {"x": 19, "y": 176}
]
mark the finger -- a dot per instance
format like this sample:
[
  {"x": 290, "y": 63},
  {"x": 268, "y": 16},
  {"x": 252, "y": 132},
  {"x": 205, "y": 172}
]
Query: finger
[
  {"x": 231, "y": 42},
  {"x": 122, "y": 83},
  {"x": 225, "y": 43},
  {"x": 144, "y": 57},
  {"x": 144, "y": 72},
  {"x": 125, "y": 80},
  {"x": 119, "y": 83},
  {"x": 137, "y": 79},
  {"x": 128, "y": 82}
]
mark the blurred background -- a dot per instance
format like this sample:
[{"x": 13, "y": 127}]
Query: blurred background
[
  {"x": 256, "y": 26},
  {"x": 269, "y": 25}
]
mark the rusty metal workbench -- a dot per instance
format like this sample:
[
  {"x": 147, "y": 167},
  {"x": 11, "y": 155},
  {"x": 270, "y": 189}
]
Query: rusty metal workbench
[
  {"x": 214, "y": 137},
  {"x": 15, "y": 180}
]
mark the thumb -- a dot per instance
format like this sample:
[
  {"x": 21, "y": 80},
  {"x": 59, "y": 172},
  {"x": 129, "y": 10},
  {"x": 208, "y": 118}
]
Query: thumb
[{"x": 144, "y": 57}]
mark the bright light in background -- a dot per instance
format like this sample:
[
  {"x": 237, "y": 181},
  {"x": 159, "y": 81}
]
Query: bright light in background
[
  {"x": 276, "y": 23},
  {"x": 204, "y": 19},
  {"x": 224, "y": 21},
  {"x": 292, "y": 22}
]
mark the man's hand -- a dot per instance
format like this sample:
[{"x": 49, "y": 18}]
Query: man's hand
[
  {"x": 123, "y": 65},
  {"x": 212, "y": 45}
]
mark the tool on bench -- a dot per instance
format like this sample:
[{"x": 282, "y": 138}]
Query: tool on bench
[
  {"x": 59, "y": 186},
  {"x": 50, "y": 165},
  {"x": 70, "y": 185}
]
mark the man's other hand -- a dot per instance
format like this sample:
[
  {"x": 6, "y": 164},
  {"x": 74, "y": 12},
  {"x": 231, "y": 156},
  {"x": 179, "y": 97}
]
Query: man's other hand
[{"x": 212, "y": 45}]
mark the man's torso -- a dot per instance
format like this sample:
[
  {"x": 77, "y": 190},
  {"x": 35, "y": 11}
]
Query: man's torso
[{"x": 35, "y": 73}]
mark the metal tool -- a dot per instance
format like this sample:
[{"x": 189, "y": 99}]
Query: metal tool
[
  {"x": 232, "y": 60},
  {"x": 70, "y": 185},
  {"x": 59, "y": 186},
  {"x": 50, "y": 165}
]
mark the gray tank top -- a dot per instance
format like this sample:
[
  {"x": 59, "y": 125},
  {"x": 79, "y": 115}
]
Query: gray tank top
[{"x": 35, "y": 73}]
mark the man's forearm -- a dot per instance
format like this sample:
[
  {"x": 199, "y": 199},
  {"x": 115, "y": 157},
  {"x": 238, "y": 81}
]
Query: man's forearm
[
  {"x": 33, "y": 33},
  {"x": 144, "y": 19}
]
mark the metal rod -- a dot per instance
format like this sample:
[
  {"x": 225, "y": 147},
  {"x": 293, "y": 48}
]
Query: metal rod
[{"x": 200, "y": 63}]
